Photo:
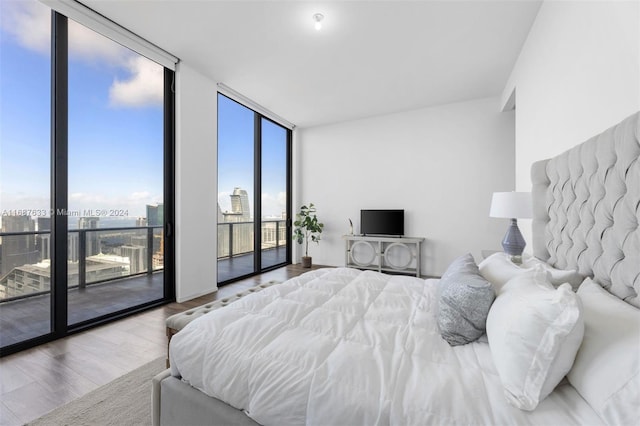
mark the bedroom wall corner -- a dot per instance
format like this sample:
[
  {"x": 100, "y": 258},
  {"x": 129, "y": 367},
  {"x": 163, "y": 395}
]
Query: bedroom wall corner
[
  {"x": 196, "y": 184},
  {"x": 296, "y": 184},
  {"x": 440, "y": 164},
  {"x": 577, "y": 74}
]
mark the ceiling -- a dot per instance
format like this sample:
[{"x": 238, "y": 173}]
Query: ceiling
[{"x": 370, "y": 58}]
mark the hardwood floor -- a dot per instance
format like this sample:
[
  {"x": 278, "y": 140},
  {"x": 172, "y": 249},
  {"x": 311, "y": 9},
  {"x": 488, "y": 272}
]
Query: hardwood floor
[{"x": 38, "y": 380}]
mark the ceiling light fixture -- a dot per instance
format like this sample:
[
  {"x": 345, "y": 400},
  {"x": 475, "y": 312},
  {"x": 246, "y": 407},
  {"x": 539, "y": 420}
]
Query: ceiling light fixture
[{"x": 318, "y": 17}]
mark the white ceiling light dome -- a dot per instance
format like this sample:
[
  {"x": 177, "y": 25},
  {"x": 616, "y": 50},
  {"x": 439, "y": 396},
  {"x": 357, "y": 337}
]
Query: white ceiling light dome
[{"x": 317, "y": 18}]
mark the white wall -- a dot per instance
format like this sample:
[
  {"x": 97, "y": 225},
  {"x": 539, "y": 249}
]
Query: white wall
[
  {"x": 439, "y": 164},
  {"x": 196, "y": 184},
  {"x": 577, "y": 75}
]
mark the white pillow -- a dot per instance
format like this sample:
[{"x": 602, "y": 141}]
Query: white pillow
[
  {"x": 606, "y": 370},
  {"x": 498, "y": 269},
  {"x": 534, "y": 332}
]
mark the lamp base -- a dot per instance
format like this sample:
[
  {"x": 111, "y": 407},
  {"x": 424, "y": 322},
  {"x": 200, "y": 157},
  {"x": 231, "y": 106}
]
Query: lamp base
[{"x": 513, "y": 243}]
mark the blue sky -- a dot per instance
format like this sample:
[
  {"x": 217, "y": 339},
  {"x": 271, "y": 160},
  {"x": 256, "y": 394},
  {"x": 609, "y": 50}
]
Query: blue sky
[
  {"x": 115, "y": 124},
  {"x": 115, "y": 118},
  {"x": 236, "y": 157}
]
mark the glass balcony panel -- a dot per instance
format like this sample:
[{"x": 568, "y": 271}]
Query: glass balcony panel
[
  {"x": 115, "y": 176},
  {"x": 25, "y": 170},
  {"x": 157, "y": 254},
  {"x": 236, "y": 152},
  {"x": 25, "y": 274}
]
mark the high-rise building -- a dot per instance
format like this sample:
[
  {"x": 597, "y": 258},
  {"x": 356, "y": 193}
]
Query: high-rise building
[
  {"x": 155, "y": 217},
  {"x": 18, "y": 250},
  {"x": 137, "y": 256},
  {"x": 155, "y": 214},
  {"x": 157, "y": 259},
  {"x": 88, "y": 222},
  {"x": 220, "y": 217},
  {"x": 44, "y": 224},
  {"x": 72, "y": 246},
  {"x": 43, "y": 241},
  {"x": 232, "y": 217},
  {"x": 240, "y": 203},
  {"x": 239, "y": 207},
  {"x": 242, "y": 233},
  {"x": 92, "y": 238},
  {"x": 44, "y": 246},
  {"x": 274, "y": 233},
  {"x": 141, "y": 221},
  {"x": 138, "y": 240},
  {"x": 223, "y": 234}
]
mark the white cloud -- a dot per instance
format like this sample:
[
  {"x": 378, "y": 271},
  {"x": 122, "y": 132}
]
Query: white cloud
[
  {"x": 274, "y": 205},
  {"x": 142, "y": 195},
  {"x": 82, "y": 198},
  {"x": 29, "y": 22},
  {"x": 23, "y": 201},
  {"x": 90, "y": 47},
  {"x": 144, "y": 88}
]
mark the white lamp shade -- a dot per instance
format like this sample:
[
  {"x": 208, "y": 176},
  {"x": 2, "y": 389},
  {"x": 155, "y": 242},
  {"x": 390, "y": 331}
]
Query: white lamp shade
[{"x": 511, "y": 205}]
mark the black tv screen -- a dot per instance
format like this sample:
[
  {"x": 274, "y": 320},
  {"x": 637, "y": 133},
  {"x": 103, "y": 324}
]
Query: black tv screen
[{"x": 382, "y": 222}]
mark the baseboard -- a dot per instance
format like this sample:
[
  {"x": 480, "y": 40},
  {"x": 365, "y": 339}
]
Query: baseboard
[{"x": 195, "y": 295}]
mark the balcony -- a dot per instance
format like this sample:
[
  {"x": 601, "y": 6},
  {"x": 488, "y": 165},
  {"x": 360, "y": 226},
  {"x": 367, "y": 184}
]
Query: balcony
[
  {"x": 109, "y": 270},
  {"x": 101, "y": 281},
  {"x": 236, "y": 247}
]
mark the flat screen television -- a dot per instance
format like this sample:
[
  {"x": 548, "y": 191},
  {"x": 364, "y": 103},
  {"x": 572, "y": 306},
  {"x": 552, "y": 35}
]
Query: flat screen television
[{"x": 382, "y": 222}]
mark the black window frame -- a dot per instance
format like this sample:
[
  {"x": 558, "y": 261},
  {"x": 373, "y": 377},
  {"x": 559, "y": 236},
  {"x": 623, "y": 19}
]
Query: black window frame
[
  {"x": 257, "y": 194},
  {"x": 59, "y": 326}
]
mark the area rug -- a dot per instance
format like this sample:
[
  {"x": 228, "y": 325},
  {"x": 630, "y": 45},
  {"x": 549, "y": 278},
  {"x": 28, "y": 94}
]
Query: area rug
[{"x": 122, "y": 402}]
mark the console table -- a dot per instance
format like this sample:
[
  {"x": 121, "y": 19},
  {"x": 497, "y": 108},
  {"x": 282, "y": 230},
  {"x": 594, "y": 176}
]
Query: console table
[{"x": 388, "y": 254}]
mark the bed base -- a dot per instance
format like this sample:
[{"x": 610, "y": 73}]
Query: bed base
[{"x": 177, "y": 403}]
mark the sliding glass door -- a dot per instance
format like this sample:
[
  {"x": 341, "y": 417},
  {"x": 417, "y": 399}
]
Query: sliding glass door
[
  {"x": 115, "y": 177},
  {"x": 25, "y": 177},
  {"x": 274, "y": 142},
  {"x": 86, "y": 178},
  {"x": 253, "y": 192}
]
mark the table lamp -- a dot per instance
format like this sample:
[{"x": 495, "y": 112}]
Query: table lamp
[{"x": 514, "y": 206}]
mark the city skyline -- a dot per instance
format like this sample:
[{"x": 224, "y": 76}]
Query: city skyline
[
  {"x": 155, "y": 212},
  {"x": 106, "y": 253}
]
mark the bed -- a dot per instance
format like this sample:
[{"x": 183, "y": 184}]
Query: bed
[{"x": 341, "y": 346}]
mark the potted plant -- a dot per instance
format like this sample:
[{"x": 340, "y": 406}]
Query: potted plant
[{"x": 307, "y": 228}]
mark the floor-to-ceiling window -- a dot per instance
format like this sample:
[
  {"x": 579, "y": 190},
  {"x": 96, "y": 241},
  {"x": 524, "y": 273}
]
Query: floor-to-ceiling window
[
  {"x": 25, "y": 172},
  {"x": 253, "y": 191},
  {"x": 116, "y": 176},
  {"x": 87, "y": 178},
  {"x": 274, "y": 148}
]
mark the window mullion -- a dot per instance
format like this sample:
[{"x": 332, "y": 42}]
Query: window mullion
[
  {"x": 59, "y": 168},
  {"x": 257, "y": 192}
]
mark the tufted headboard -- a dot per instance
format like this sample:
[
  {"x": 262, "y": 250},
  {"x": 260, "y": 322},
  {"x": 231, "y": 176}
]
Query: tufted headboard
[{"x": 586, "y": 209}]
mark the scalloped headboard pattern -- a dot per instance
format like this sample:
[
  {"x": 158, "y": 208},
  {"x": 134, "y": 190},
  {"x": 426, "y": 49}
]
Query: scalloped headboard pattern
[{"x": 587, "y": 209}]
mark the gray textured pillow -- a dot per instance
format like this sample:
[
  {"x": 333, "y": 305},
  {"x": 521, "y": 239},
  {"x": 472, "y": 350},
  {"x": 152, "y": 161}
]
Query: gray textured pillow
[{"x": 464, "y": 301}]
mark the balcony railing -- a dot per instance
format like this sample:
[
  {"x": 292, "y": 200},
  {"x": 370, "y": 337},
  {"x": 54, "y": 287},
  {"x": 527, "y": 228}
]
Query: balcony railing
[
  {"x": 94, "y": 256},
  {"x": 237, "y": 238}
]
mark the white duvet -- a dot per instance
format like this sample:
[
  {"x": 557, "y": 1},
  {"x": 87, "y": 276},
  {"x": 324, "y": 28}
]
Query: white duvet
[{"x": 345, "y": 347}]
